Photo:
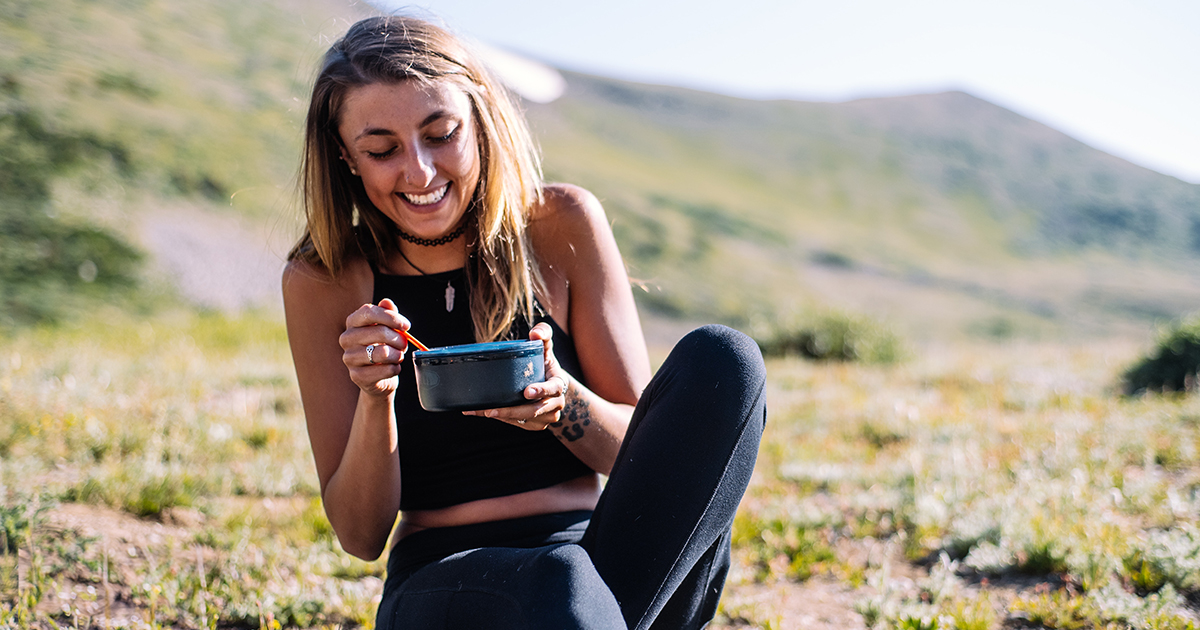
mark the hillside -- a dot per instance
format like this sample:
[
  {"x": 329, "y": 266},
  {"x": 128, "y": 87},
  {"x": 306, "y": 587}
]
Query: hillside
[
  {"x": 943, "y": 211},
  {"x": 941, "y": 214},
  {"x": 186, "y": 99},
  {"x": 125, "y": 124}
]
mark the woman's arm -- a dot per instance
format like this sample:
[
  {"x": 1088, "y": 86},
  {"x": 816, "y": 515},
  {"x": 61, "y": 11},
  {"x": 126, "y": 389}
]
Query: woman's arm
[
  {"x": 588, "y": 292},
  {"x": 348, "y": 402}
]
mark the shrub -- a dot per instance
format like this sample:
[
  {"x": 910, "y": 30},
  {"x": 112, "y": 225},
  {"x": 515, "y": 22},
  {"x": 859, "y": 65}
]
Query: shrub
[
  {"x": 1173, "y": 364},
  {"x": 18, "y": 518},
  {"x": 1168, "y": 556},
  {"x": 1061, "y": 610},
  {"x": 832, "y": 337},
  {"x": 51, "y": 267}
]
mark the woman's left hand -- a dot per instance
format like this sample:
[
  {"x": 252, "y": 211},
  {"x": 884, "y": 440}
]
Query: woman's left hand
[{"x": 547, "y": 399}]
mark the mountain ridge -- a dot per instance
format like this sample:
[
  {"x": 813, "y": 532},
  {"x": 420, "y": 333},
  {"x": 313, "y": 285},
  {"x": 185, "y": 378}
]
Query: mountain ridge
[
  {"x": 942, "y": 213},
  {"x": 875, "y": 184}
]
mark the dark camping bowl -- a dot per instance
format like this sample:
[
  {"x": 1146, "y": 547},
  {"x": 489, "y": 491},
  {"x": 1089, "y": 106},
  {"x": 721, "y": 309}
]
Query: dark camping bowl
[{"x": 478, "y": 375}]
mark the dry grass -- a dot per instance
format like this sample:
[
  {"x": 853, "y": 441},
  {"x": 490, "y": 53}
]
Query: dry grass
[
  {"x": 976, "y": 487},
  {"x": 188, "y": 423},
  {"x": 157, "y": 474}
]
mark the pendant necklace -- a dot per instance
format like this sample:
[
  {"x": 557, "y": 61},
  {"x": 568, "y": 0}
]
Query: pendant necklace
[
  {"x": 449, "y": 287},
  {"x": 434, "y": 242}
]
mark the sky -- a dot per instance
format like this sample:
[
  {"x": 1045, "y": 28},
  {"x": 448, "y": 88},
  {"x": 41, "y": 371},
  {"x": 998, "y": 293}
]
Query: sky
[{"x": 1119, "y": 75}]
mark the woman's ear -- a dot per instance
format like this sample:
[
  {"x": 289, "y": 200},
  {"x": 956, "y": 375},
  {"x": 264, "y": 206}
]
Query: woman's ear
[{"x": 348, "y": 160}]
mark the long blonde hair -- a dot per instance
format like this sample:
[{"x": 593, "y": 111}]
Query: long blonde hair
[{"x": 502, "y": 270}]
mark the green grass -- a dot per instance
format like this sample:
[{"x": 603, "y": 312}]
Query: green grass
[
  {"x": 995, "y": 463},
  {"x": 107, "y": 107},
  {"x": 1011, "y": 463},
  {"x": 188, "y": 419},
  {"x": 973, "y": 466},
  {"x": 193, "y": 99},
  {"x": 154, "y": 413}
]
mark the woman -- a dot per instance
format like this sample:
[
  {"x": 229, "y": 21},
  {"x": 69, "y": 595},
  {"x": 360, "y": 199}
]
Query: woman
[{"x": 425, "y": 210}]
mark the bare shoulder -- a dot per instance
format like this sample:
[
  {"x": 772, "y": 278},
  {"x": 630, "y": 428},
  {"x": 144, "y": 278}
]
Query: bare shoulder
[
  {"x": 567, "y": 206},
  {"x": 310, "y": 290},
  {"x": 572, "y": 234},
  {"x": 302, "y": 277},
  {"x": 568, "y": 218}
]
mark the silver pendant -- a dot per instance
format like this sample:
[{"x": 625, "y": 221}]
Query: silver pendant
[{"x": 449, "y": 298}]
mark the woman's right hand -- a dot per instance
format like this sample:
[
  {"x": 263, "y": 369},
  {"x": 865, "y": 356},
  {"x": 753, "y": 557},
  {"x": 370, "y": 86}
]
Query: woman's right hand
[{"x": 372, "y": 349}]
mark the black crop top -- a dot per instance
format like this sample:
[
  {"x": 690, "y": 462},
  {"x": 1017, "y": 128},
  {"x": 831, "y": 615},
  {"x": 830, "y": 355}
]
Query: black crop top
[{"x": 447, "y": 458}]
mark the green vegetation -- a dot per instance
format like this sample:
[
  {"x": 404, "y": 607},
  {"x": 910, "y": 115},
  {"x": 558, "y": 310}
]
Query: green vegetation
[
  {"x": 189, "y": 99},
  {"x": 110, "y": 105},
  {"x": 186, "y": 421},
  {"x": 51, "y": 265},
  {"x": 726, "y": 210},
  {"x": 1032, "y": 495},
  {"x": 832, "y": 337},
  {"x": 1174, "y": 363},
  {"x": 732, "y": 210},
  {"x": 941, "y": 491},
  {"x": 963, "y": 486}
]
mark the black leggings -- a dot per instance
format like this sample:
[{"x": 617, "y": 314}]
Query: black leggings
[{"x": 654, "y": 553}]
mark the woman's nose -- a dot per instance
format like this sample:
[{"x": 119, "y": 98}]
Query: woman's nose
[{"x": 418, "y": 167}]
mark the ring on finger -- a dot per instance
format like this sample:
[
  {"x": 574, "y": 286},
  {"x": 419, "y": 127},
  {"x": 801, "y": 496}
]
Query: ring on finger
[
  {"x": 521, "y": 421},
  {"x": 371, "y": 355}
]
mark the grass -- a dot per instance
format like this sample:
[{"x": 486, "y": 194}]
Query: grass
[
  {"x": 968, "y": 487},
  {"x": 973, "y": 486},
  {"x": 188, "y": 422},
  {"x": 1014, "y": 478}
]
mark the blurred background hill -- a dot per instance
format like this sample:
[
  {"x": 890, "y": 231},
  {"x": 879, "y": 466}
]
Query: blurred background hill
[{"x": 150, "y": 149}]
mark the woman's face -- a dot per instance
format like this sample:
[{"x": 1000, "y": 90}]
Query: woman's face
[{"x": 414, "y": 146}]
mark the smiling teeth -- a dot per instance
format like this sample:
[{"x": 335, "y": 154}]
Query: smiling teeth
[{"x": 431, "y": 198}]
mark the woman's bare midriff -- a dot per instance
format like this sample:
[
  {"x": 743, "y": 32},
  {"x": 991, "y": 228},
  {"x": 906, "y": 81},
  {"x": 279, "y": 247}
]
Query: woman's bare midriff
[{"x": 577, "y": 494}]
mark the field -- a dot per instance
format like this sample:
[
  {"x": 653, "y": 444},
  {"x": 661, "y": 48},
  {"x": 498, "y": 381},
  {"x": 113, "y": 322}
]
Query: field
[{"x": 155, "y": 473}]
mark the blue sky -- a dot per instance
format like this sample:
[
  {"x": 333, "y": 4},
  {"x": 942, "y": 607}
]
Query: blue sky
[{"x": 1122, "y": 76}]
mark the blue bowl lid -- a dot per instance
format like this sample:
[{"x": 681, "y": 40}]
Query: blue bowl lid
[{"x": 480, "y": 351}]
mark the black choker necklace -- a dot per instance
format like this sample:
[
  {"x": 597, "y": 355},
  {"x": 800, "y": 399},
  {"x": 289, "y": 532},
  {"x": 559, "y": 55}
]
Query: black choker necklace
[{"x": 434, "y": 242}]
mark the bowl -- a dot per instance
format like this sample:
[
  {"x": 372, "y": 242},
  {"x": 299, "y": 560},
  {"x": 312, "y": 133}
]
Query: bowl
[{"x": 478, "y": 375}]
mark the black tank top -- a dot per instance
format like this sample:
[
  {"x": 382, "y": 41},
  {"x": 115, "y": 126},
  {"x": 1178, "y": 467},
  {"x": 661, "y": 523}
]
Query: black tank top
[{"x": 447, "y": 458}]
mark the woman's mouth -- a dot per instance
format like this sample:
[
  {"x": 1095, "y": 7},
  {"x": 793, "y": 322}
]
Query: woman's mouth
[{"x": 428, "y": 199}]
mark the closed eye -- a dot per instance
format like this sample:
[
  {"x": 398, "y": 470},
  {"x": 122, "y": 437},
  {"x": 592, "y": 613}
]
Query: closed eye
[
  {"x": 381, "y": 155},
  {"x": 446, "y": 138}
]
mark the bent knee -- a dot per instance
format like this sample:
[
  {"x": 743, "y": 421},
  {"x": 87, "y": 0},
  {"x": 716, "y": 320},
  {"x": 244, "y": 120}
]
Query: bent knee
[{"x": 724, "y": 349}]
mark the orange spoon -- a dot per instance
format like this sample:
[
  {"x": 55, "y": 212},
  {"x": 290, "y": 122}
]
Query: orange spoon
[{"x": 413, "y": 340}]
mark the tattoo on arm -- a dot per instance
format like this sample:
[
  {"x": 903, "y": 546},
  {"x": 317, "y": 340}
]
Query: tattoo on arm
[{"x": 574, "y": 418}]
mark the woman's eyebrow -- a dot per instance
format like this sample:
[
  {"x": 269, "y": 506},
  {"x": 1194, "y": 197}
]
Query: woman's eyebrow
[
  {"x": 374, "y": 131},
  {"x": 434, "y": 117}
]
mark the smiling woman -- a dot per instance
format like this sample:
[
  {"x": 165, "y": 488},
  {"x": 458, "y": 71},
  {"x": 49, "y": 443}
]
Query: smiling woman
[
  {"x": 414, "y": 147},
  {"x": 426, "y": 210}
]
